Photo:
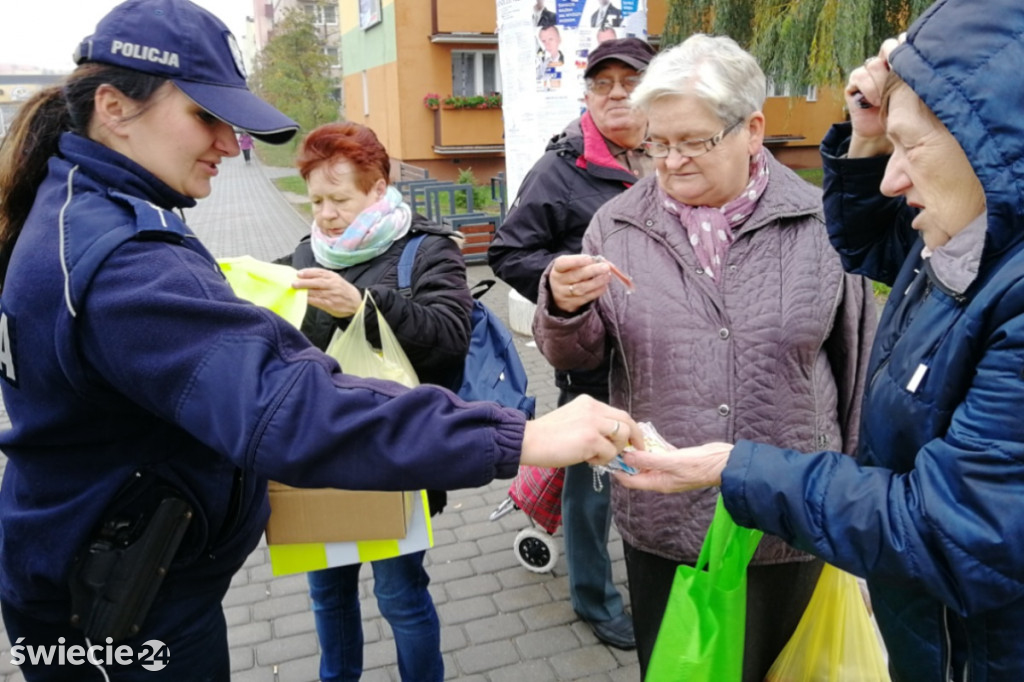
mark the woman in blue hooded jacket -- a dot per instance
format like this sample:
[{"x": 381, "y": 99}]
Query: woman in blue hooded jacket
[{"x": 928, "y": 510}]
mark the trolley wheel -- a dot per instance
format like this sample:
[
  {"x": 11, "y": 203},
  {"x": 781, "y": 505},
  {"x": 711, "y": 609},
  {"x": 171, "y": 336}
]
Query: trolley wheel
[{"x": 535, "y": 550}]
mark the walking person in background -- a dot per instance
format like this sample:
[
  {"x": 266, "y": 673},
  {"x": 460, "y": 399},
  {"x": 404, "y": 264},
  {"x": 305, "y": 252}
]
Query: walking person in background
[
  {"x": 923, "y": 189},
  {"x": 245, "y": 144},
  {"x": 742, "y": 323},
  {"x": 361, "y": 227},
  {"x": 136, "y": 381},
  {"x": 593, "y": 160}
]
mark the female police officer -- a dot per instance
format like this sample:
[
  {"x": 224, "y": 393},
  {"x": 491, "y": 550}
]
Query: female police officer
[{"x": 133, "y": 375}]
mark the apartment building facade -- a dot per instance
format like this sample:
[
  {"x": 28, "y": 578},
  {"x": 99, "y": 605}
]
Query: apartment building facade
[
  {"x": 395, "y": 54},
  {"x": 267, "y": 14}
]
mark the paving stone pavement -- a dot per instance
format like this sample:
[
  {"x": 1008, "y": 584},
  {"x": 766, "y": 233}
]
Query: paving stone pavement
[{"x": 499, "y": 621}]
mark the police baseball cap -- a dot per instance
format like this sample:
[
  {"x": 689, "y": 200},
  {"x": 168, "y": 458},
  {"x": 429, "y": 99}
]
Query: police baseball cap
[
  {"x": 180, "y": 41},
  {"x": 630, "y": 51}
]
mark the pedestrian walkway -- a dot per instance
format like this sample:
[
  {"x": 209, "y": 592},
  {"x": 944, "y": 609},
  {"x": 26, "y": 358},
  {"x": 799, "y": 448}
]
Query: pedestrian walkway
[{"x": 499, "y": 621}]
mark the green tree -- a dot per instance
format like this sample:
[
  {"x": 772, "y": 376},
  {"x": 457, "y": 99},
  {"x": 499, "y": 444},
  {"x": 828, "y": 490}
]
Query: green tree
[
  {"x": 293, "y": 72},
  {"x": 797, "y": 42}
]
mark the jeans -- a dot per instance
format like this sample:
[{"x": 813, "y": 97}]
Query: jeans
[
  {"x": 586, "y": 520},
  {"x": 400, "y": 585},
  {"x": 192, "y": 629}
]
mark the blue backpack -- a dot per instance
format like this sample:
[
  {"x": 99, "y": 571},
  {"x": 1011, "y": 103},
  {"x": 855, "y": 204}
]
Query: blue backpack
[{"x": 493, "y": 370}]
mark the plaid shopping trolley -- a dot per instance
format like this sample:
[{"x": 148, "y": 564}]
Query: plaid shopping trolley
[{"x": 537, "y": 491}]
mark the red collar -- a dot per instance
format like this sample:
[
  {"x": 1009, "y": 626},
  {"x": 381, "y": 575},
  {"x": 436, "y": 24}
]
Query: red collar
[{"x": 595, "y": 147}]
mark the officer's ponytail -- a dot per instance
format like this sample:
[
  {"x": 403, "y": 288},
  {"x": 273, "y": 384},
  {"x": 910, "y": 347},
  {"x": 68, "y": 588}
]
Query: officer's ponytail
[{"x": 33, "y": 136}]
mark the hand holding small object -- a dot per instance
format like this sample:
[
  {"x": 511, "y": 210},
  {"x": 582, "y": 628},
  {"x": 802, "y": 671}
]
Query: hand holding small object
[
  {"x": 676, "y": 470},
  {"x": 653, "y": 442},
  {"x": 329, "y": 291},
  {"x": 577, "y": 280},
  {"x": 626, "y": 280},
  {"x": 863, "y": 98},
  {"x": 584, "y": 430}
]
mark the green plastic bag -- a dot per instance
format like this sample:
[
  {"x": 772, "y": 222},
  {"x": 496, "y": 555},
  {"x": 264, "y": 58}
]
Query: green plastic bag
[
  {"x": 266, "y": 284},
  {"x": 356, "y": 356},
  {"x": 702, "y": 632}
]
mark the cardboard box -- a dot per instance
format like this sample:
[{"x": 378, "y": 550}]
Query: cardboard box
[{"x": 304, "y": 515}]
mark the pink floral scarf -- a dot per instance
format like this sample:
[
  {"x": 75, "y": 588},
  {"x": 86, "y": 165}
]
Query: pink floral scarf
[{"x": 710, "y": 229}]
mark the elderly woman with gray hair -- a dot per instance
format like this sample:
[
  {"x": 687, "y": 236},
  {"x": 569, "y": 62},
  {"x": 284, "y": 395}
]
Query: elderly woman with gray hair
[{"x": 741, "y": 324}]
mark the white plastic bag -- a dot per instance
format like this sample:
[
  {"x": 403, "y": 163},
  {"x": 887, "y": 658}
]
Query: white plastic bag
[{"x": 356, "y": 356}]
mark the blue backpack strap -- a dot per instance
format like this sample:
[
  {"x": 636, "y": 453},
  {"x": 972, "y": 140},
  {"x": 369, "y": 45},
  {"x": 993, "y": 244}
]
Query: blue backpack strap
[{"x": 405, "y": 264}]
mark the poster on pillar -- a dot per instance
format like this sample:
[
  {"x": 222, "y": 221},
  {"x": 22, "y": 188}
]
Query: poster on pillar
[{"x": 543, "y": 47}]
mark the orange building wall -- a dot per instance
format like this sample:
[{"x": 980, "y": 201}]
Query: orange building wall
[
  {"x": 425, "y": 67},
  {"x": 381, "y": 92},
  {"x": 657, "y": 12},
  {"x": 465, "y": 16},
  {"x": 809, "y": 120},
  {"x": 407, "y": 128}
]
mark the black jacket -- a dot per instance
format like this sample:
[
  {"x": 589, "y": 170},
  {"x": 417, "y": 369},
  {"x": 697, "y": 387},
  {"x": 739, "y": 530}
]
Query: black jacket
[
  {"x": 432, "y": 323},
  {"x": 552, "y": 210}
]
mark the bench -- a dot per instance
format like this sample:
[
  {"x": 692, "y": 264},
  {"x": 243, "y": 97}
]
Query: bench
[
  {"x": 499, "y": 193},
  {"x": 408, "y": 172},
  {"x": 414, "y": 192},
  {"x": 436, "y": 211},
  {"x": 477, "y": 231}
]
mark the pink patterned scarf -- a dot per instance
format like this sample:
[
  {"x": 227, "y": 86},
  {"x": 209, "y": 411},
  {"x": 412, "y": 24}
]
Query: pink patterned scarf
[{"x": 710, "y": 229}]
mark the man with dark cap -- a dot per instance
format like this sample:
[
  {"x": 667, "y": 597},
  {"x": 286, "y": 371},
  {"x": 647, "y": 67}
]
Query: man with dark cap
[{"x": 594, "y": 159}]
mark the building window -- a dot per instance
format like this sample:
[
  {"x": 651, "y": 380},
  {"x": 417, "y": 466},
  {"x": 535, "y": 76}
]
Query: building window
[
  {"x": 774, "y": 90},
  {"x": 323, "y": 14},
  {"x": 333, "y": 56},
  {"x": 369, "y": 13},
  {"x": 475, "y": 72}
]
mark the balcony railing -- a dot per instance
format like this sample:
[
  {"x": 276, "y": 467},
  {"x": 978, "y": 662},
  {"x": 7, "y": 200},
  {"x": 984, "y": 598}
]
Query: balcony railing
[{"x": 468, "y": 129}]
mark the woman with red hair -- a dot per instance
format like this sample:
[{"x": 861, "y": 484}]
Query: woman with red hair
[{"x": 360, "y": 228}]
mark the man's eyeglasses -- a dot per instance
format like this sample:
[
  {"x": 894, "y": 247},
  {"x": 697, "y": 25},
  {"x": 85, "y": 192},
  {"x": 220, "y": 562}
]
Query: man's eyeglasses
[
  {"x": 602, "y": 86},
  {"x": 688, "y": 148}
]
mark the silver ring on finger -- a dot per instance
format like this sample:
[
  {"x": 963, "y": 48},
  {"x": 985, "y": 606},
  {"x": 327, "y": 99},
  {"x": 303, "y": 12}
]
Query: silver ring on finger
[
  {"x": 572, "y": 290},
  {"x": 615, "y": 431}
]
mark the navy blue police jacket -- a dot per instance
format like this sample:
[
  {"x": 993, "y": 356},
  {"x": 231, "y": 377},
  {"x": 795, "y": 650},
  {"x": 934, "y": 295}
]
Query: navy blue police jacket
[
  {"x": 124, "y": 350},
  {"x": 930, "y": 510}
]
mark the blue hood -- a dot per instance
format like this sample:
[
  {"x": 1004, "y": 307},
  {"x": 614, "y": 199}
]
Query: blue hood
[{"x": 965, "y": 59}]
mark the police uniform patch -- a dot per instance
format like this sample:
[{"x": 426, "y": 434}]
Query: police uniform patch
[{"x": 7, "y": 365}]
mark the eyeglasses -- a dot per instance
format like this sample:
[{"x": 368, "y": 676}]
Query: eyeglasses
[
  {"x": 688, "y": 148},
  {"x": 602, "y": 86}
]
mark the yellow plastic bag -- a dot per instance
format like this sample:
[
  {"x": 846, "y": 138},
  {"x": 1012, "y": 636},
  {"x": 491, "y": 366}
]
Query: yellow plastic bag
[
  {"x": 266, "y": 284},
  {"x": 835, "y": 640},
  {"x": 356, "y": 356}
]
